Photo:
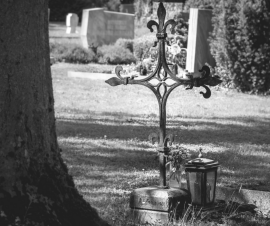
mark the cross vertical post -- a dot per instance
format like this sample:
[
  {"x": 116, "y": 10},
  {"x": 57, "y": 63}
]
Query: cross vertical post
[
  {"x": 168, "y": 80},
  {"x": 157, "y": 203},
  {"x": 162, "y": 145}
]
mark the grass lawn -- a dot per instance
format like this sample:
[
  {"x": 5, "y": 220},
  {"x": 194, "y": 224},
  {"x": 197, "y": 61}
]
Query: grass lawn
[{"x": 103, "y": 132}]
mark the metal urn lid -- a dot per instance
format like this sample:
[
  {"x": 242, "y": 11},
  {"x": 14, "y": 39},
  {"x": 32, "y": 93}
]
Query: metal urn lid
[{"x": 202, "y": 163}]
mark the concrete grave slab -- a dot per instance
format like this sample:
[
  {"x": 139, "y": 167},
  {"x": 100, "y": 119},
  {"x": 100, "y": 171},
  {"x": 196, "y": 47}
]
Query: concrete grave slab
[
  {"x": 261, "y": 199},
  {"x": 87, "y": 75}
]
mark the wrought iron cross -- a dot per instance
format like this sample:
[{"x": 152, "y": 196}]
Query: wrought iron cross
[{"x": 163, "y": 78}]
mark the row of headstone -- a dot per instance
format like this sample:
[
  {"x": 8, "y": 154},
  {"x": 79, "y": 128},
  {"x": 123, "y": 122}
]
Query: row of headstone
[
  {"x": 198, "y": 49},
  {"x": 72, "y": 21},
  {"x": 105, "y": 27}
]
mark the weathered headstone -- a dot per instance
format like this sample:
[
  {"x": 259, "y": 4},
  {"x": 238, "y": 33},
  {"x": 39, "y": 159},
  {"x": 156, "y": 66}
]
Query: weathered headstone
[
  {"x": 104, "y": 27},
  {"x": 198, "y": 49},
  {"x": 156, "y": 206},
  {"x": 119, "y": 25},
  {"x": 72, "y": 21},
  {"x": 93, "y": 27}
]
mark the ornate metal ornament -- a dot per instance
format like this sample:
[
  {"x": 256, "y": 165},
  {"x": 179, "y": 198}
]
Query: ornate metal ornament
[{"x": 162, "y": 81}]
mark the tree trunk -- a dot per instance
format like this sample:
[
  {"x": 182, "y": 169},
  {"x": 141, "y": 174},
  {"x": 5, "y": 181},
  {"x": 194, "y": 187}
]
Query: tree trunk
[{"x": 35, "y": 187}]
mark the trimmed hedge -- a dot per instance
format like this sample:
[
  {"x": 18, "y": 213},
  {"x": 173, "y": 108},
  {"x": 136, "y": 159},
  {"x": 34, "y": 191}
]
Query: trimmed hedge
[
  {"x": 80, "y": 55},
  {"x": 114, "y": 54},
  {"x": 58, "y": 49},
  {"x": 241, "y": 43},
  {"x": 125, "y": 43},
  {"x": 142, "y": 45},
  {"x": 72, "y": 53}
]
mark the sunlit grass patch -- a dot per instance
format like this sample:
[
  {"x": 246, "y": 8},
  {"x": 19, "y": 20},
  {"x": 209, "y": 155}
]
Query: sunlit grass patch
[
  {"x": 105, "y": 171},
  {"x": 228, "y": 126},
  {"x": 103, "y": 132}
]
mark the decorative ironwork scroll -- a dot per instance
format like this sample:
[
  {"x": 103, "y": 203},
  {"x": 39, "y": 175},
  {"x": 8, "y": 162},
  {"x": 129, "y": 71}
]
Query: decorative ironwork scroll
[{"x": 162, "y": 81}]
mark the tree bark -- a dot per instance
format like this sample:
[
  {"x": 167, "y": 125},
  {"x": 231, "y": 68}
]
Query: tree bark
[{"x": 35, "y": 187}]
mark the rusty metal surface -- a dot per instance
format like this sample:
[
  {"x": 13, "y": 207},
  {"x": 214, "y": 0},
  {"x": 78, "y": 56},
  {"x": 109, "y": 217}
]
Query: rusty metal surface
[{"x": 167, "y": 81}]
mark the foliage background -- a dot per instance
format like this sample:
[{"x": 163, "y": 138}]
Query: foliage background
[{"x": 240, "y": 41}]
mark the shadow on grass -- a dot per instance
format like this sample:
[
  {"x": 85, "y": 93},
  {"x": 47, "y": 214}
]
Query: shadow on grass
[
  {"x": 248, "y": 171},
  {"x": 107, "y": 170},
  {"x": 200, "y": 131},
  {"x": 103, "y": 173}
]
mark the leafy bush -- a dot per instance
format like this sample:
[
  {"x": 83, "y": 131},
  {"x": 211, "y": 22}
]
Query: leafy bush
[
  {"x": 241, "y": 43},
  {"x": 71, "y": 53},
  {"x": 111, "y": 54},
  {"x": 58, "y": 48},
  {"x": 126, "y": 43},
  {"x": 142, "y": 46},
  {"x": 114, "y": 54},
  {"x": 80, "y": 55},
  {"x": 201, "y": 4},
  {"x": 181, "y": 29}
]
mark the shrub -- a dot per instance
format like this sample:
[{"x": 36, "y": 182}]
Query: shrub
[
  {"x": 126, "y": 43},
  {"x": 71, "y": 53},
  {"x": 57, "y": 49},
  {"x": 241, "y": 43},
  {"x": 142, "y": 46},
  {"x": 181, "y": 29},
  {"x": 114, "y": 54},
  {"x": 80, "y": 55}
]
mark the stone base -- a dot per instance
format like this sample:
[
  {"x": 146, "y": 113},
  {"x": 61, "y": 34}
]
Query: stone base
[
  {"x": 150, "y": 217},
  {"x": 158, "y": 205}
]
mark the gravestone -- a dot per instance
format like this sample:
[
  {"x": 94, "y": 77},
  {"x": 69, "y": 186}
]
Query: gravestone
[
  {"x": 72, "y": 20},
  {"x": 93, "y": 27},
  {"x": 118, "y": 25},
  {"x": 104, "y": 27},
  {"x": 198, "y": 49},
  {"x": 158, "y": 206}
]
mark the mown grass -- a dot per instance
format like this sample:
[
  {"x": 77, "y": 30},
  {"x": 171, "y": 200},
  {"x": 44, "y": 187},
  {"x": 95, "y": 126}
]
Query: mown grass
[{"x": 103, "y": 132}]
